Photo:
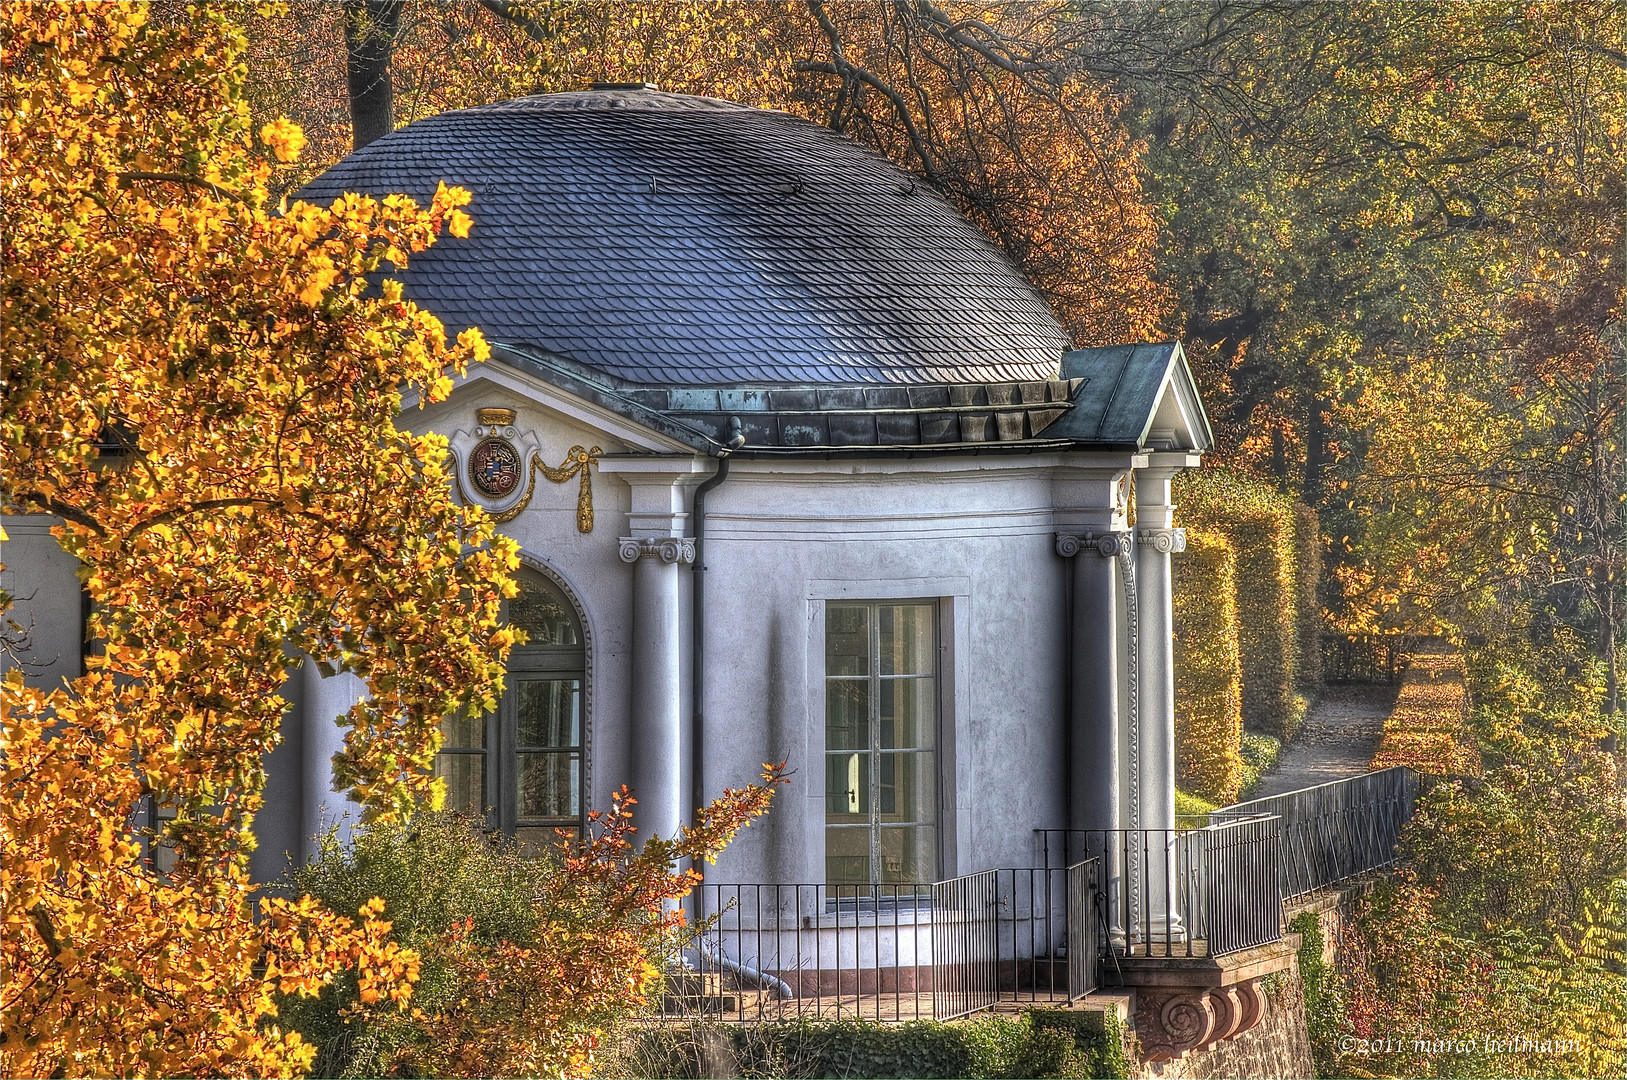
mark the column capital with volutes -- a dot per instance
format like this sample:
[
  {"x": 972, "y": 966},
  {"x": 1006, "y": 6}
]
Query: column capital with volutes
[
  {"x": 1163, "y": 541},
  {"x": 1106, "y": 544},
  {"x": 669, "y": 549}
]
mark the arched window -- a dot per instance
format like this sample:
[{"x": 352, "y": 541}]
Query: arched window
[{"x": 522, "y": 766}]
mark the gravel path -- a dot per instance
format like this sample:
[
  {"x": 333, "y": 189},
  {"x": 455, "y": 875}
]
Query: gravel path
[{"x": 1338, "y": 739}]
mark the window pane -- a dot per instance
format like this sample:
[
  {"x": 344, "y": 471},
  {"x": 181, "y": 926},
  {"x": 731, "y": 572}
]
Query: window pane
[
  {"x": 907, "y": 640},
  {"x": 847, "y": 787},
  {"x": 543, "y": 613},
  {"x": 847, "y": 856},
  {"x": 908, "y": 791},
  {"x": 847, "y": 714},
  {"x": 534, "y": 840},
  {"x": 550, "y": 712},
  {"x": 550, "y": 785},
  {"x": 463, "y": 731},
  {"x": 909, "y": 853},
  {"x": 465, "y": 776},
  {"x": 847, "y": 640},
  {"x": 909, "y": 713}
]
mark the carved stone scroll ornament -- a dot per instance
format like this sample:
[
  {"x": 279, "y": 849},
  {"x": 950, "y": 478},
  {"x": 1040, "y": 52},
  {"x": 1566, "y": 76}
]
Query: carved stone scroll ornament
[
  {"x": 669, "y": 549},
  {"x": 1108, "y": 545},
  {"x": 1164, "y": 541},
  {"x": 1171, "y": 1022}
]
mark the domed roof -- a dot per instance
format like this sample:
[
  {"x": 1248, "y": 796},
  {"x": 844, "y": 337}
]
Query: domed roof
[{"x": 685, "y": 241}]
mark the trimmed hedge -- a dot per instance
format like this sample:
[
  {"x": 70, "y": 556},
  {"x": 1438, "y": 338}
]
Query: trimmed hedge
[
  {"x": 1040, "y": 1043},
  {"x": 1191, "y": 806},
  {"x": 1259, "y": 524},
  {"x": 1429, "y": 728},
  {"x": 1208, "y": 673}
]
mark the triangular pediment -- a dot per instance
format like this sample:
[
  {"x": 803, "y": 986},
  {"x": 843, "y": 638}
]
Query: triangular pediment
[{"x": 1140, "y": 396}]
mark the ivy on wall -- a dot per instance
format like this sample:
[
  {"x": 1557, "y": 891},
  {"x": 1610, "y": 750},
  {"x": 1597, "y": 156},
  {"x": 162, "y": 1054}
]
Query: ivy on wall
[{"x": 1208, "y": 671}]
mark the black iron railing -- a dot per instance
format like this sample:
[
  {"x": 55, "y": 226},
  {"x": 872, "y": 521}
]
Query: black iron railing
[
  {"x": 889, "y": 952},
  {"x": 1336, "y": 831},
  {"x": 1087, "y": 918},
  {"x": 965, "y": 945},
  {"x": 1179, "y": 892}
]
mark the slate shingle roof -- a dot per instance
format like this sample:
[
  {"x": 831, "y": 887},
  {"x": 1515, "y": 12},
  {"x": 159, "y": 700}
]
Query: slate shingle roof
[{"x": 671, "y": 240}]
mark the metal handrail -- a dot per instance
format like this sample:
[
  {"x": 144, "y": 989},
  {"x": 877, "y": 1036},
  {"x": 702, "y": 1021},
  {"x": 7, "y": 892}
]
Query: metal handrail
[
  {"x": 1086, "y": 925},
  {"x": 1333, "y": 832},
  {"x": 1181, "y": 892},
  {"x": 887, "y": 952}
]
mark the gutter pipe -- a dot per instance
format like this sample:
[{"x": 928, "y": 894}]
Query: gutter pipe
[
  {"x": 762, "y": 979},
  {"x": 697, "y": 644}
]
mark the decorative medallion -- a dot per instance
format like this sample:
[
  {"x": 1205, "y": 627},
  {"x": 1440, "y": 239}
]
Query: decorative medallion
[{"x": 494, "y": 468}]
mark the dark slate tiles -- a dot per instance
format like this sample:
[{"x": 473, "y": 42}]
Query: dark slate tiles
[{"x": 679, "y": 241}]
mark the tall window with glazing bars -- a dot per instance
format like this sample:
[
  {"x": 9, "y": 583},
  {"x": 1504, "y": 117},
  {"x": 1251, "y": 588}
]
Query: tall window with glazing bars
[
  {"x": 881, "y": 738},
  {"x": 522, "y": 767}
]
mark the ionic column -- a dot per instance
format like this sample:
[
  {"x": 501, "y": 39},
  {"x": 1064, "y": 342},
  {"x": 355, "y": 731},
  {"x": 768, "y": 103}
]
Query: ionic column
[
  {"x": 1155, "y": 802},
  {"x": 657, "y": 719},
  {"x": 1093, "y": 722},
  {"x": 1153, "y": 786}
]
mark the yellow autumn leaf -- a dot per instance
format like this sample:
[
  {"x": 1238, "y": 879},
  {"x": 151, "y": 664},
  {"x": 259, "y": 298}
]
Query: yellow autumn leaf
[{"x": 285, "y": 138}]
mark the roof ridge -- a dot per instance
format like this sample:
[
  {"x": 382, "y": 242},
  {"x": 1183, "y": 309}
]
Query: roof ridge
[{"x": 616, "y": 99}]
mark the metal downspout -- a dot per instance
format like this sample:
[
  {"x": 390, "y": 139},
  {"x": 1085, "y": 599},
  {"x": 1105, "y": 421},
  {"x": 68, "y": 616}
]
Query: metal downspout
[{"x": 697, "y": 645}]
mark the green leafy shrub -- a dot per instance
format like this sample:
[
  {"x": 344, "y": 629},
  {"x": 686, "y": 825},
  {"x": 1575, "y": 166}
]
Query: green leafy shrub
[
  {"x": 1508, "y": 917},
  {"x": 434, "y": 873},
  {"x": 525, "y": 962},
  {"x": 1260, "y": 754},
  {"x": 1040, "y": 1043},
  {"x": 1097, "y": 1037},
  {"x": 1259, "y": 524},
  {"x": 1191, "y": 806},
  {"x": 1208, "y": 673}
]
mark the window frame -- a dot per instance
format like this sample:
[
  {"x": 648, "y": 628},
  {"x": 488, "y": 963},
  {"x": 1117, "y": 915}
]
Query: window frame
[
  {"x": 875, "y": 752},
  {"x": 500, "y": 752}
]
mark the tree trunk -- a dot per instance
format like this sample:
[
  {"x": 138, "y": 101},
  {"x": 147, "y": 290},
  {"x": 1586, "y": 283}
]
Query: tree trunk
[
  {"x": 370, "y": 29},
  {"x": 1316, "y": 436}
]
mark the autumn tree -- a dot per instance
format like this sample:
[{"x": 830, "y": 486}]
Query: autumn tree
[
  {"x": 1367, "y": 209},
  {"x": 202, "y": 389}
]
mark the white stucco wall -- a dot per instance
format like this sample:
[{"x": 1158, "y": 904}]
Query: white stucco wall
[
  {"x": 43, "y": 580},
  {"x": 783, "y": 537}
]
